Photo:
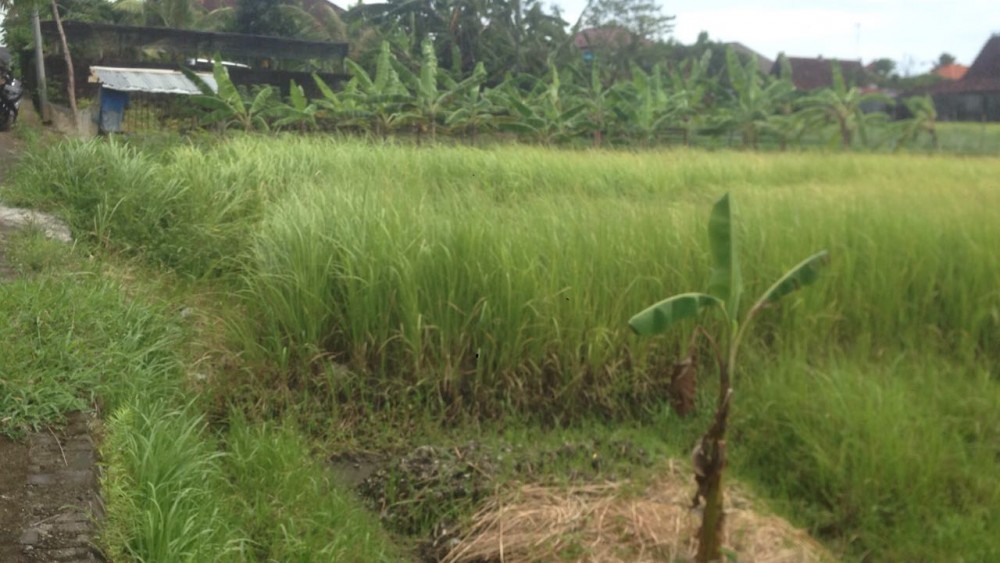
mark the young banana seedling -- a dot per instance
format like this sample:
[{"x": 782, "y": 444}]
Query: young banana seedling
[{"x": 724, "y": 290}]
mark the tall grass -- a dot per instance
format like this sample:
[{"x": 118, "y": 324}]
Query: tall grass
[
  {"x": 501, "y": 279},
  {"x": 896, "y": 458}
]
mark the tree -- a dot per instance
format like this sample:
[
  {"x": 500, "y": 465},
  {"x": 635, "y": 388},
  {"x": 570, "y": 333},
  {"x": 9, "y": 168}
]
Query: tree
[
  {"x": 625, "y": 32},
  {"x": 944, "y": 60},
  {"x": 505, "y": 35},
  {"x": 264, "y": 17},
  {"x": 643, "y": 19},
  {"x": 883, "y": 69}
]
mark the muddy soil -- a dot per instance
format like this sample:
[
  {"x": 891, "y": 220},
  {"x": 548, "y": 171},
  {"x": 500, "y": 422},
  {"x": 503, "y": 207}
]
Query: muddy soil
[{"x": 49, "y": 498}]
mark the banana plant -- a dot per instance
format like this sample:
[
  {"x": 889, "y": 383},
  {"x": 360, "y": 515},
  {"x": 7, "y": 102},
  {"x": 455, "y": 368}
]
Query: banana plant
[
  {"x": 599, "y": 103},
  {"x": 691, "y": 85},
  {"x": 431, "y": 102},
  {"x": 299, "y": 112},
  {"x": 755, "y": 102},
  {"x": 725, "y": 288},
  {"x": 923, "y": 120},
  {"x": 646, "y": 106},
  {"x": 471, "y": 113},
  {"x": 227, "y": 106},
  {"x": 545, "y": 113},
  {"x": 843, "y": 106},
  {"x": 384, "y": 96},
  {"x": 345, "y": 109}
]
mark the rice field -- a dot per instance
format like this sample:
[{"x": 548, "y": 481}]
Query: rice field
[{"x": 470, "y": 285}]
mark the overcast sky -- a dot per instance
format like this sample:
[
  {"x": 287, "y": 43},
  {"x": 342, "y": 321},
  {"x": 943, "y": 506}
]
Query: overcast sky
[{"x": 911, "y": 32}]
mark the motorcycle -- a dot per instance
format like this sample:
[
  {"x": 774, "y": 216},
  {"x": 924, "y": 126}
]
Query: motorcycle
[{"x": 10, "y": 100}]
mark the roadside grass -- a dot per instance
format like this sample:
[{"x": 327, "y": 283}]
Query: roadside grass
[
  {"x": 382, "y": 288},
  {"x": 72, "y": 341}
]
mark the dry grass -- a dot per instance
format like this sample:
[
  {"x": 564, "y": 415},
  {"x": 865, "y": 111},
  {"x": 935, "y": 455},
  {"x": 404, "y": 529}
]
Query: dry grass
[{"x": 610, "y": 522}]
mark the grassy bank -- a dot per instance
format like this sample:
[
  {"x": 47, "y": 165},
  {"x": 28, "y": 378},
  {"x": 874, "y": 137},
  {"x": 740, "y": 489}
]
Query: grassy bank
[
  {"x": 79, "y": 334},
  {"x": 384, "y": 283}
]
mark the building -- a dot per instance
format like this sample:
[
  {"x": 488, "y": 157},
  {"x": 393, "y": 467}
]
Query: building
[
  {"x": 816, "y": 74},
  {"x": 951, "y": 72},
  {"x": 976, "y": 96}
]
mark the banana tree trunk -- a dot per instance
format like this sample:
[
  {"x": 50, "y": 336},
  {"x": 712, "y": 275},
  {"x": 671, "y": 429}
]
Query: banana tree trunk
[
  {"x": 70, "y": 80},
  {"x": 709, "y": 461}
]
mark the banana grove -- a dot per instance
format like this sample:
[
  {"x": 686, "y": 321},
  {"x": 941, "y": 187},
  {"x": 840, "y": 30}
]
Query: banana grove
[{"x": 576, "y": 105}]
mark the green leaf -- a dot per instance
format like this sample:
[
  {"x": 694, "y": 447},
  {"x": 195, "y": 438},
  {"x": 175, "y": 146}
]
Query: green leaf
[
  {"x": 428, "y": 71},
  {"x": 726, "y": 281},
  {"x": 297, "y": 96},
  {"x": 661, "y": 316},
  {"x": 227, "y": 90},
  {"x": 803, "y": 274},
  {"x": 359, "y": 76},
  {"x": 260, "y": 100},
  {"x": 202, "y": 86}
]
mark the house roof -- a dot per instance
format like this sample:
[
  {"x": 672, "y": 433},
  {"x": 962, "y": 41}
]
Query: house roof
[
  {"x": 813, "y": 74},
  {"x": 951, "y": 72},
  {"x": 763, "y": 63},
  {"x": 982, "y": 76},
  {"x": 151, "y": 80},
  {"x": 987, "y": 63}
]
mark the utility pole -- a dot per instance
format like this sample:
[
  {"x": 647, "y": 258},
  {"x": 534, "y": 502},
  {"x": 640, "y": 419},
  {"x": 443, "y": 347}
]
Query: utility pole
[{"x": 43, "y": 99}]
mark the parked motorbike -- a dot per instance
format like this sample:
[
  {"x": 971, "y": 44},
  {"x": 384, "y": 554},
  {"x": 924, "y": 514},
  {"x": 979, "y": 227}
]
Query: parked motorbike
[{"x": 10, "y": 100}]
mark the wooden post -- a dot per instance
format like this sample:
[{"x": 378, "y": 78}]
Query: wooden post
[{"x": 43, "y": 99}]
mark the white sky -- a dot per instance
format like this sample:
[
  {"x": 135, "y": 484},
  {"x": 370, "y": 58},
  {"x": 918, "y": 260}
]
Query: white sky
[{"x": 911, "y": 32}]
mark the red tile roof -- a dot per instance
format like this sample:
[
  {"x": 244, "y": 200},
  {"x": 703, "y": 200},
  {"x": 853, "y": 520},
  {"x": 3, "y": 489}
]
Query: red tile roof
[
  {"x": 982, "y": 76},
  {"x": 951, "y": 72}
]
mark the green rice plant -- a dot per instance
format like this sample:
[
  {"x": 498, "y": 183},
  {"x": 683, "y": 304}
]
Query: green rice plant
[
  {"x": 288, "y": 504},
  {"x": 886, "y": 458},
  {"x": 161, "y": 483},
  {"x": 405, "y": 265},
  {"x": 725, "y": 289}
]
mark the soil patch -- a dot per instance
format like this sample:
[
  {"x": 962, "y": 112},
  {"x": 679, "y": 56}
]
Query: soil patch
[{"x": 49, "y": 495}]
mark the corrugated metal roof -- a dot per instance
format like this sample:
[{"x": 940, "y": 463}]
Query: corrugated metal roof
[{"x": 151, "y": 80}]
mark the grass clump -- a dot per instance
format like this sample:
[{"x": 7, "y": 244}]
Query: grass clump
[
  {"x": 115, "y": 196},
  {"x": 894, "y": 457},
  {"x": 73, "y": 342},
  {"x": 289, "y": 507},
  {"x": 76, "y": 337},
  {"x": 165, "y": 488}
]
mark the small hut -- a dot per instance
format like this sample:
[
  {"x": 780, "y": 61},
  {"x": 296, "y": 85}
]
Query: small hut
[{"x": 118, "y": 85}]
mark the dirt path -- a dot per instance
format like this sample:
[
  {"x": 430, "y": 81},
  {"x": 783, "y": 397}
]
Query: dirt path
[{"x": 49, "y": 496}]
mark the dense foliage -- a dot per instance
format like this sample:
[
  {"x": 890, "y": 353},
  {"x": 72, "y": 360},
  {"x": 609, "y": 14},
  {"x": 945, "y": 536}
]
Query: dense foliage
[{"x": 683, "y": 103}]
